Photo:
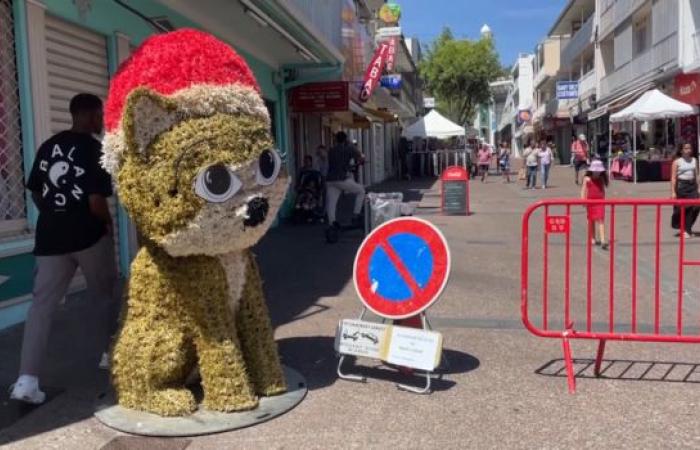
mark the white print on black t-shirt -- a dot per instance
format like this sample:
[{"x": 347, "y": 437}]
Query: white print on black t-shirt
[{"x": 63, "y": 178}]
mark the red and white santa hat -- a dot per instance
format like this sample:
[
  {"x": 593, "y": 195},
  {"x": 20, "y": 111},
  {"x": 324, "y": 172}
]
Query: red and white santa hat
[{"x": 196, "y": 71}]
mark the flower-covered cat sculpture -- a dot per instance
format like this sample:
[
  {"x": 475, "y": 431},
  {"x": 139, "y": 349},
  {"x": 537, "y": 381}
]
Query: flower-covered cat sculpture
[{"x": 189, "y": 146}]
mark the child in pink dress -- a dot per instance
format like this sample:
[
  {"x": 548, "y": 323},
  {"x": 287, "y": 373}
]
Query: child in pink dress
[{"x": 594, "y": 184}]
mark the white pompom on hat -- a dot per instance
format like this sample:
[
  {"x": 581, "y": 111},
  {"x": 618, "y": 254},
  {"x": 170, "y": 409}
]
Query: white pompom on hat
[{"x": 597, "y": 166}]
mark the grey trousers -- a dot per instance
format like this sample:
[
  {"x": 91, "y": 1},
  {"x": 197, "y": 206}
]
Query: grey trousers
[{"x": 52, "y": 276}]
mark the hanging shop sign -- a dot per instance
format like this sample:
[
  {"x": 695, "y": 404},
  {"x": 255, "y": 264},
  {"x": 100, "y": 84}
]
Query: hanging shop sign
[
  {"x": 374, "y": 72},
  {"x": 524, "y": 116},
  {"x": 567, "y": 90},
  {"x": 687, "y": 88},
  {"x": 331, "y": 96},
  {"x": 391, "y": 53},
  {"x": 429, "y": 102},
  {"x": 390, "y": 13},
  {"x": 392, "y": 82},
  {"x": 388, "y": 32}
]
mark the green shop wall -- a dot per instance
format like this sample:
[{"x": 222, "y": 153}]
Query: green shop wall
[{"x": 108, "y": 18}]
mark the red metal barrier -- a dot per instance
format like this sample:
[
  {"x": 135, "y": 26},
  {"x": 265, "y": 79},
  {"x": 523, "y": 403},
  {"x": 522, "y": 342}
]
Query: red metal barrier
[{"x": 559, "y": 217}]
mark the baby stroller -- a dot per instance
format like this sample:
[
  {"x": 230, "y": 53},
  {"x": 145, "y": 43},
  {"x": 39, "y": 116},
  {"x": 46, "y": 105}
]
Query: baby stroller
[{"x": 309, "y": 206}]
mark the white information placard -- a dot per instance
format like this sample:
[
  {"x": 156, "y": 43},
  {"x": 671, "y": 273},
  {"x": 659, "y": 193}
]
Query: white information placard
[
  {"x": 360, "y": 338},
  {"x": 415, "y": 348},
  {"x": 409, "y": 347}
]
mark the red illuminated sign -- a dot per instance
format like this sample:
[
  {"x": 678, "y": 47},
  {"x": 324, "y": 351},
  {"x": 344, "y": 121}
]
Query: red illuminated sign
[
  {"x": 687, "y": 88},
  {"x": 320, "y": 97},
  {"x": 374, "y": 72}
]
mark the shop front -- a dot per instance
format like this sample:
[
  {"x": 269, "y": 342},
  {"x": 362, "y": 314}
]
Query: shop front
[
  {"x": 54, "y": 49},
  {"x": 557, "y": 132},
  {"x": 687, "y": 90}
]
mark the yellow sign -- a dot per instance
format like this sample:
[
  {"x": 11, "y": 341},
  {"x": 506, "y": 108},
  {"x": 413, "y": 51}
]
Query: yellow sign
[{"x": 390, "y": 13}]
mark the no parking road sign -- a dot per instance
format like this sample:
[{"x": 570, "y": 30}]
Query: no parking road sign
[{"x": 401, "y": 268}]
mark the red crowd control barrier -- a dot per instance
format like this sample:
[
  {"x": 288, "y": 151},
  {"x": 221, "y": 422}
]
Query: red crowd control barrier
[{"x": 635, "y": 290}]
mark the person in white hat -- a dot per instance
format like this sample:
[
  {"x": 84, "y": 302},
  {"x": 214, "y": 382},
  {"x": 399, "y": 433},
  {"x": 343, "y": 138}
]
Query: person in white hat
[
  {"x": 594, "y": 184},
  {"x": 579, "y": 149}
]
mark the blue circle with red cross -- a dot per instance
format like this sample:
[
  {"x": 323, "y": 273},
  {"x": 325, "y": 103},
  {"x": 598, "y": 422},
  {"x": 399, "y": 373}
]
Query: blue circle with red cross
[{"x": 401, "y": 268}]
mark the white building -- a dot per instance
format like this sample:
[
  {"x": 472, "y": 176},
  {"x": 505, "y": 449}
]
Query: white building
[
  {"x": 638, "y": 48},
  {"x": 515, "y": 122},
  {"x": 575, "y": 25}
]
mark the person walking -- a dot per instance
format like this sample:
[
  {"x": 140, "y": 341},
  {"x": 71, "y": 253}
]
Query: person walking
[
  {"x": 684, "y": 185},
  {"x": 594, "y": 183},
  {"x": 340, "y": 179},
  {"x": 545, "y": 155},
  {"x": 74, "y": 229},
  {"x": 504, "y": 162},
  {"x": 322, "y": 160},
  {"x": 579, "y": 150},
  {"x": 484, "y": 157},
  {"x": 531, "y": 160}
]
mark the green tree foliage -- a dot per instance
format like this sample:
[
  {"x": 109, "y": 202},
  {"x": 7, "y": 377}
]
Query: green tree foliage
[{"x": 458, "y": 71}]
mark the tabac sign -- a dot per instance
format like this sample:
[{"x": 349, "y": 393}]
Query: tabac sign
[{"x": 374, "y": 71}]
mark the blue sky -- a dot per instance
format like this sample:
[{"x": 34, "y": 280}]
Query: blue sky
[{"x": 518, "y": 25}]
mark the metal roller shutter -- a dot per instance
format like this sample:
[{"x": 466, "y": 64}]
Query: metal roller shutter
[{"x": 76, "y": 62}]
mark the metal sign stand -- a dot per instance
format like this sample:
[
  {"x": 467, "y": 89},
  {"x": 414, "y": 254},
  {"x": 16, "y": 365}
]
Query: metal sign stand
[{"x": 426, "y": 389}]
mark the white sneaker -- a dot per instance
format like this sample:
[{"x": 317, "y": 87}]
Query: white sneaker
[
  {"x": 26, "y": 389},
  {"x": 104, "y": 361}
]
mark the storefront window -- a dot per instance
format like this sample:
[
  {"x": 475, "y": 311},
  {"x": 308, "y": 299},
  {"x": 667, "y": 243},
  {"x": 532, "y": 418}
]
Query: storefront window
[{"x": 12, "y": 203}]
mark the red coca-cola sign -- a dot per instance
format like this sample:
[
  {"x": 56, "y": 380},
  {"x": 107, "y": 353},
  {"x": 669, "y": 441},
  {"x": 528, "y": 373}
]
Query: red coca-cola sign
[
  {"x": 687, "y": 88},
  {"x": 374, "y": 72}
]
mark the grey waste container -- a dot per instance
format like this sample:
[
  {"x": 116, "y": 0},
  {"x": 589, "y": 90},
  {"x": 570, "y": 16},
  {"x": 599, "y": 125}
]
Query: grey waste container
[{"x": 382, "y": 207}]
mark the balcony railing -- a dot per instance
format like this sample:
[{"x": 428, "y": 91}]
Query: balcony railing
[
  {"x": 578, "y": 43},
  {"x": 587, "y": 84},
  {"x": 658, "y": 56},
  {"x": 613, "y": 16},
  {"x": 661, "y": 54}
]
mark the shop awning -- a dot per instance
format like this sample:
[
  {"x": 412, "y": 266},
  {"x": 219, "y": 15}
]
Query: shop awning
[
  {"x": 654, "y": 105},
  {"x": 620, "y": 102},
  {"x": 434, "y": 125}
]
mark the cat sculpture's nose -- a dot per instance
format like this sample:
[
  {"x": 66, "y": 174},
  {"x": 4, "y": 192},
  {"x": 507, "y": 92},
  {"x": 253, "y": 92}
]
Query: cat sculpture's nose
[{"x": 257, "y": 212}]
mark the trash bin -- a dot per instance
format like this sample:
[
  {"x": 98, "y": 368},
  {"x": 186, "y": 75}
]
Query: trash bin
[{"x": 382, "y": 207}]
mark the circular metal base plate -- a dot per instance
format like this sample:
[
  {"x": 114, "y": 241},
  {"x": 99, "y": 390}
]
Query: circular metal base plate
[{"x": 202, "y": 421}]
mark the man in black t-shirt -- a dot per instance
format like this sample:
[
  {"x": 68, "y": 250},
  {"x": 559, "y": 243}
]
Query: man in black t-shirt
[
  {"x": 340, "y": 179},
  {"x": 74, "y": 229}
]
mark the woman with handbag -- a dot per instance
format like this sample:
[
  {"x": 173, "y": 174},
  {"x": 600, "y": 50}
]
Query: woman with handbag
[{"x": 684, "y": 185}]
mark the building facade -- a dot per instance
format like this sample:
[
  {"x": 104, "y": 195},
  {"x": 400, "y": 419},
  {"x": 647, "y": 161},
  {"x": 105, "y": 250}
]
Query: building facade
[
  {"x": 515, "y": 125},
  {"x": 52, "y": 49}
]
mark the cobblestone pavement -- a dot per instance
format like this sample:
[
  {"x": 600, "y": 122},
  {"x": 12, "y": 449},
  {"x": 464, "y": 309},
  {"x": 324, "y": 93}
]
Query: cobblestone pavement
[{"x": 505, "y": 388}]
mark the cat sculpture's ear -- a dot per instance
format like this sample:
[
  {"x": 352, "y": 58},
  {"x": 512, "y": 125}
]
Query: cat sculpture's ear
[{"x": 146, "y": 115}]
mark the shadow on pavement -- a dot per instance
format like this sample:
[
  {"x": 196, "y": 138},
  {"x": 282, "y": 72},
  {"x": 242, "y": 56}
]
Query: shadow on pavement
[
  {"x": 627, "y": 370},
  {"x": 315, "y": 358},
  {"x": 298, "y": 269}
]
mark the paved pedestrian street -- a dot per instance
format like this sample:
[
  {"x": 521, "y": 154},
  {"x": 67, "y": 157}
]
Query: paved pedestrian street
[{"x": 504, "y": 388}]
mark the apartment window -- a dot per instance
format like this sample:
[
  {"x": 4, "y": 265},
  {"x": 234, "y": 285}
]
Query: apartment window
[
  {"x": 12, "y": 204},
  {"x": 641, "y": 35}
]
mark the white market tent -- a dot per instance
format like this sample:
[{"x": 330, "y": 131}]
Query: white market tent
[
  {"x": 433, "y": 125},
  {"x": 652, "y": 105}
]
